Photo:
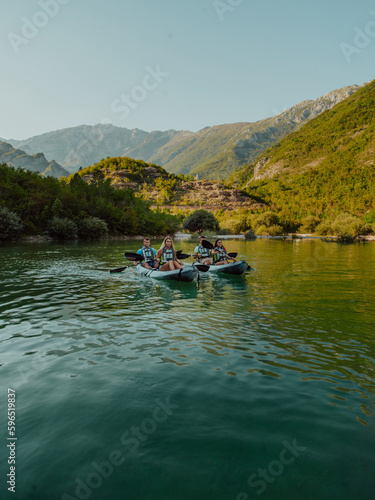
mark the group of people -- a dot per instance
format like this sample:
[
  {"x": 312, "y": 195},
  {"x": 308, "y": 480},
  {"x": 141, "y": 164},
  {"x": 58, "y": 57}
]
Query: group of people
[{"x": 166, "y": 258}]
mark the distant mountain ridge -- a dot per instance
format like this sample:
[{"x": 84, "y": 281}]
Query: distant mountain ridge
[
  {"x": 85, "y": 145},
  {"x": 212, "y": 153},
  {"x": 36, "y": 163}
]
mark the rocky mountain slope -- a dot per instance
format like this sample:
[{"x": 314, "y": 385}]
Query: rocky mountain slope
[
  {"x": 327, "y": 166},
  {"x": 212, "y": 153},
  {"x": 36, "y": 163}
]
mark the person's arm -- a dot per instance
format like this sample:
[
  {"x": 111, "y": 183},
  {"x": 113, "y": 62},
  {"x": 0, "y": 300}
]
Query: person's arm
[
  {"x": 157, "y": 261},
  {"x": 196, "y": 254}
]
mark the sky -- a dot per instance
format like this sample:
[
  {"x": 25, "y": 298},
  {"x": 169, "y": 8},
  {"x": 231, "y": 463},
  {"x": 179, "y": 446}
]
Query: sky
[{"x": 174, "y": 64}]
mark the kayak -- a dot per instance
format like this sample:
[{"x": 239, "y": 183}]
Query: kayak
[
  {"x": 235, "y": 268},
  {"x": 187, "y": 273}
]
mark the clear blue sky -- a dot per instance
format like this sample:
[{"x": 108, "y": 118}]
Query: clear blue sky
[{"x": 218, "y": 61}]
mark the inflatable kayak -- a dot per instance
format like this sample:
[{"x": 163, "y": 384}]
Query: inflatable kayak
[
  {"x": 235, "y": 268},
  {"x": 187, "y": 273}
]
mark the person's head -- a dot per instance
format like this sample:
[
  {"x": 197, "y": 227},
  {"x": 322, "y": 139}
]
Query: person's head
[
  {"x": 201, "y": 238},
  {"x": 146, "y": 242},
  {"x": 168, "y": 242},
  {"x": 218, "y": 243}
]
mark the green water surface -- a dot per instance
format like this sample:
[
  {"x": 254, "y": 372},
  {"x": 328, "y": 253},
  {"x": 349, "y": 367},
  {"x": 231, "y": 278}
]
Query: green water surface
[{"x": 233, "y": 388}]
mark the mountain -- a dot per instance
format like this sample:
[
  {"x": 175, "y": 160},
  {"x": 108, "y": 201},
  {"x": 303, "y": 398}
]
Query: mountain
[
  {"x": 216, "y": 152},
  {"x": 326, "y": 167},
  {"x": 85, "y": 145},
  {"x": 212, "y": 153},
  {"x": 36, "y": 163}
]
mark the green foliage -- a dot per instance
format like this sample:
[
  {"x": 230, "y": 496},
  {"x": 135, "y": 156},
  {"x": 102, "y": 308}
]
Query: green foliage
[
  {"x": 92, "y": 228},
  {"x": 37, "y": 200},
  {"x": 199, "y": 221},
  {"x": 275, "y": 230},
  {"x": 232, "y": 226},
  {"x": 347, "y": 227},
  {"x": 324, "y": 229},
  {"x": 57, "y": 208},
  {"x": 250, "y": 234},
  {"x": 309, "y": 224},
  {"x": 370, "y": 217},
  {"x": 266, "y": 219},
  {"x": 10, "y": 224},
  {"x": 63, "y": 228}
]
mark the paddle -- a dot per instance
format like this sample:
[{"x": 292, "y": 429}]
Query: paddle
[
  {"x": 134, "y": 256},
  {"x": 119, "y": 269}
]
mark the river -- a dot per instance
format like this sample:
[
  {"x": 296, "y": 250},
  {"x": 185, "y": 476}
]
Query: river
[{"x": 233, "y": 388}]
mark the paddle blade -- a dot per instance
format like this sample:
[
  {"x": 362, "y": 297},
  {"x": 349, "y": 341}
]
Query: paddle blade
[
  {"x": 202, "y": 267},
  {"x": 179, "y": 252},
  {"x": 207, "y": 244},
  {"x": 183, "y": 256},
  {"x": 232, "y": 254},
  {"x": 134, "y": 256},
  {"x": 118, "y": 270}
]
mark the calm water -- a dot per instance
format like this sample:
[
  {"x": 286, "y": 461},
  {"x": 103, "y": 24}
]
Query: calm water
[{"x": 259, "y": 386}]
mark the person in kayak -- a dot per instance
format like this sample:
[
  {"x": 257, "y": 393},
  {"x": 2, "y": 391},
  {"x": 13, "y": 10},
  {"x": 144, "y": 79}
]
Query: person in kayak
[
  {"x": 167, "y": 257},
  {"x": 148, "y": 254},
  {"x": 202, "y": 254},
  {"x": 219, "y": 253}
]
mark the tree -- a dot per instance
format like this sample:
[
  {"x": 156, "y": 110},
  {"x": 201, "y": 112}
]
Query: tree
[
  {"x": 10, "y": 224},
  {"x": 199, "y": 221}
]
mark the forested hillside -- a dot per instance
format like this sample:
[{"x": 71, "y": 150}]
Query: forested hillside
[
  {"x": 48, "y": 205},
  {"x": 325, "y": 168}
]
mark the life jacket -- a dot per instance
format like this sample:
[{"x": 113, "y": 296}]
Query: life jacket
[
  {"x": 204, "y": 252},
  {"x": 148, "y": 253},
  {"x": 167, "y": 255},
  {"x": 221, "y": 255}
]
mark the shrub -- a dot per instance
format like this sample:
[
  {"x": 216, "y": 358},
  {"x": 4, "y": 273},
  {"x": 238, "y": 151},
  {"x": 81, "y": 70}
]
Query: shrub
[
  {"x": 10, "y": 224},
  {"x": 232, "y": 226},
  {"x": 261, "y": 230},
  {"x": 250, "y": 234},
  {"x": 275, "y": 230},
  {"x": 347, "y": 227},
  {"x": 324, "y": 228},
  {"x": 309, "y": 224},
  {"x": 92, "y": 228},
  {"x": 63, "y": 228},
  {"x": 266, "y": 219},
  {"x": 199, "y": 221}
]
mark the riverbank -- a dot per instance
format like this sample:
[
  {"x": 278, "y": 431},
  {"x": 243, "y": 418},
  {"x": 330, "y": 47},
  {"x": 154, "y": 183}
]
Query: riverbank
[{"x": 186, "y": 237}]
